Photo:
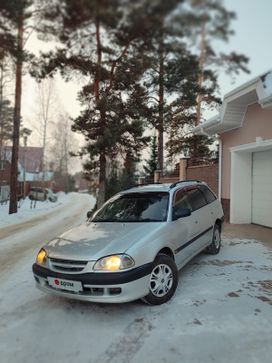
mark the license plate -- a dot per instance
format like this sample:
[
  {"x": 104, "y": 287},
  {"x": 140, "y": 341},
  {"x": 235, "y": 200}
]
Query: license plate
[{"x": 61, "y": 284}]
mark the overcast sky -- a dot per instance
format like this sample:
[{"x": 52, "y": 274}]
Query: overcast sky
[{"x": 252, "y": 37}]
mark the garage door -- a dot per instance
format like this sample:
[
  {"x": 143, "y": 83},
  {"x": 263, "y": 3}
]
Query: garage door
[{"x": 262, "y": 188}]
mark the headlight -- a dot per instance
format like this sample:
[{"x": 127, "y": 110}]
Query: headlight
[
  {"x": 114, "y": 263},
  {"x": 41, "y": 257}
]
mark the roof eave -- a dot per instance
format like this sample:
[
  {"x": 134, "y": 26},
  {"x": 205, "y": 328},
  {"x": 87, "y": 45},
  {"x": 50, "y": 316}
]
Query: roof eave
[{"x": 254, "y": 91}]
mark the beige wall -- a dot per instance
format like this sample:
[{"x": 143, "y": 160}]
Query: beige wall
[{"x": 257, "y": 122}]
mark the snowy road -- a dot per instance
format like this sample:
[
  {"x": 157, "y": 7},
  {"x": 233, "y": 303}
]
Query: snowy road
[
  {"x": 221, "y": 312},
  {"x": 24, "y": 239}
]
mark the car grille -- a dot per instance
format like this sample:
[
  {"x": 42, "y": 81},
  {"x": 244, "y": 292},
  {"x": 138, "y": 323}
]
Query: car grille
[{"x": 67, "y": 265}]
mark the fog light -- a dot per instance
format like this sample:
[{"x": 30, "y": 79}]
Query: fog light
[{"x": 115, "y": 290}]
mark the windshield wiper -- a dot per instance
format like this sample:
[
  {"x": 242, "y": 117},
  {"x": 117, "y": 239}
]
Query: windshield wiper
[
  {"x": 149, "y": 220},
  {"x": 127, "y": 220},
  {"x": 105, "y": 220}
]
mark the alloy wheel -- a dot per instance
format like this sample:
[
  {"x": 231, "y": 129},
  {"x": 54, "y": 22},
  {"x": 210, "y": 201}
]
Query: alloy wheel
[{"x": 161, "y": 280}]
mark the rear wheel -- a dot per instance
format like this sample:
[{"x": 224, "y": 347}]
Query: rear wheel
[
  {"x": 163, "y": 280},
  {"x": 215, "y": 246}
]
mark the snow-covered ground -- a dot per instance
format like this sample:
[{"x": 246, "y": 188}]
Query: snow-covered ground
[
  {"x": 18, "y": 239},
  {"x": 221, "y": 312},
  {"x": 26, "y": 213}
]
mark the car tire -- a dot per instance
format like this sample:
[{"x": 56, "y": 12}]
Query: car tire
[
  {"x": 165, "y": 269},
  {"x": 215, "y": 246}
]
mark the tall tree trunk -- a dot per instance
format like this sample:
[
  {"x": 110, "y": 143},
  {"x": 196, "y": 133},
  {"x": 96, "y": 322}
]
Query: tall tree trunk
[
  {"x": 102, "y": 158},
  {"x": 45, "y": 96},
  {"x": 43, "y": 152},
  {"x": 17, "y": 117},
  {"x": 201, "y": 63},
  {"x": 1, "y": 105},
  {"x": 160, "y": 126},
  {"x": 98, "y": 61},
  {"x": 102, "y": 179}
]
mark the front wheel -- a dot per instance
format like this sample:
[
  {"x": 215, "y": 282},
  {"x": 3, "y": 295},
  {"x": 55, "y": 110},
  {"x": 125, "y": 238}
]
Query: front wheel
[
  {"x": 163, "y": 280},
  {"x": 215, "y": 246}
]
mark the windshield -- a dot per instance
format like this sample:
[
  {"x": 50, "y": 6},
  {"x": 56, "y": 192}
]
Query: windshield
[{"x": 135, "y": 207}]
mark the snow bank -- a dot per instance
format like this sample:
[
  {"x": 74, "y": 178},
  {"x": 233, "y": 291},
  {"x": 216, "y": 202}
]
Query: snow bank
[{"x": 26, "y": 213}]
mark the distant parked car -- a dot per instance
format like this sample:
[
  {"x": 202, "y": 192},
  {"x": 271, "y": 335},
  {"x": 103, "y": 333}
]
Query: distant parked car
[
  {"x": 134, "y": 245},
  {"x": 42, "y": 194},
  {"x": 52, "y": 197},
  {"x": 38, "y": 194}
]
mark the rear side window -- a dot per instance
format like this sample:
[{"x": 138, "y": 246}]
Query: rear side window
[
  {"x": 209, "y": 196},
  {"x": 196, "y": 199},
  {"x": 181, "y": 200}
]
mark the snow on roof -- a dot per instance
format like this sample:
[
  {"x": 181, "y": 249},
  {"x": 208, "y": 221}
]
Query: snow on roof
[{"x": 30, "y": 156}]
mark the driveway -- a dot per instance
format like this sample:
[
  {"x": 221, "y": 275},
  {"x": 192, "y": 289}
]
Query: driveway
[{"x": 221, "y": 312}]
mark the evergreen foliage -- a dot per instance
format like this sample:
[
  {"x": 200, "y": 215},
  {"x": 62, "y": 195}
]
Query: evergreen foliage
[
  {"x": 6, "y": 121},
  {"x": 203, "y": 22},
  {"x": 151, "y": 165},
  {"x": 107, "y": 40},
  {"x": 143, "y": 64}
]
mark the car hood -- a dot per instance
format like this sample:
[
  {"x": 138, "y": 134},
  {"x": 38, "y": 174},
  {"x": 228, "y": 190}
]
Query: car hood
[{"x": 95, "y": 240}]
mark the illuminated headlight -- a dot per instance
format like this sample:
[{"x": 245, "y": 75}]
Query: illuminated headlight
[
  {"x": 41, "y": 257},
  {"x": 114, "y": 263}
]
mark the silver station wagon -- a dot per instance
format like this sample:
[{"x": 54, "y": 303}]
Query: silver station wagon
[{"x": 134, "y": 245}]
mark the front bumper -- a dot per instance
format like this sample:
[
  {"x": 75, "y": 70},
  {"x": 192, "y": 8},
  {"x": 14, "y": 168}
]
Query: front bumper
[{"x": 112, "y": 287}]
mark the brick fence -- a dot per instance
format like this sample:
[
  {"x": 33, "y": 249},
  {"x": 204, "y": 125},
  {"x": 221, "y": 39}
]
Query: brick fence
[{"x": 206, "y": 173}]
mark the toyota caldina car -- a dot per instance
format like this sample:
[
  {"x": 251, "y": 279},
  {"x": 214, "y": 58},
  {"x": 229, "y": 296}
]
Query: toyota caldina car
[{"x": 134, "y": 246}]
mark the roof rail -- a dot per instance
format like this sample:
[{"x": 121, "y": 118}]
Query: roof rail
[
  {"x": 141, "y": 185},
  {"x": 184, "y": 181}
]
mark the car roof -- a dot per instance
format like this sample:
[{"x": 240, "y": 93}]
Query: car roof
[
  {"x": 163, "y": 187},
  {"x": 149, "y": 188}
]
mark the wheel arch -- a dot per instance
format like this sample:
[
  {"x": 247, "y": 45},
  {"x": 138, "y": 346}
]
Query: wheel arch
[
  {"x": 218, "y": 222},
  {"x": 166, "y": 251}
]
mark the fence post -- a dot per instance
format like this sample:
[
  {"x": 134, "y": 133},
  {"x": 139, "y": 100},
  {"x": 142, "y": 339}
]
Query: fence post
[
  {"x": 141, "y": 180},
  {"x": 182, "y": 168},
  {"x": 157, "y": 176}
]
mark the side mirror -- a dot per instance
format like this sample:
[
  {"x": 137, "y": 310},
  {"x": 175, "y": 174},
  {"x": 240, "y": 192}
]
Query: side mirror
[
  {"x": 89, "y": 214},
  {"x": 180, "y": 213}
]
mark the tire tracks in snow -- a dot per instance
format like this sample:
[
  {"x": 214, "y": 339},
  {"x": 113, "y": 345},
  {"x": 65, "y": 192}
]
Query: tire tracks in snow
[
  {"x": 125, "y": 346},
  {"x": 11, "y": 254},
  {"x": 9, "y": 231}
]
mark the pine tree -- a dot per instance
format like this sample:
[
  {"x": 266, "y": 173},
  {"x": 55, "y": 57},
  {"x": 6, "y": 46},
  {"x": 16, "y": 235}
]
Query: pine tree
[
  {"x": 203, "y": 22},
  {"x": 152, "y": 163},
  {"x": 14, "y": 20},
  {"x": 6, "y": 109},
  {"x": 6, "y": 120},
  {"x": 103, "y": 42},
  {"x": 161, "y": 42},
  {"x": 207, "y": 21},
  {"x": 13, "y": 14}
]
